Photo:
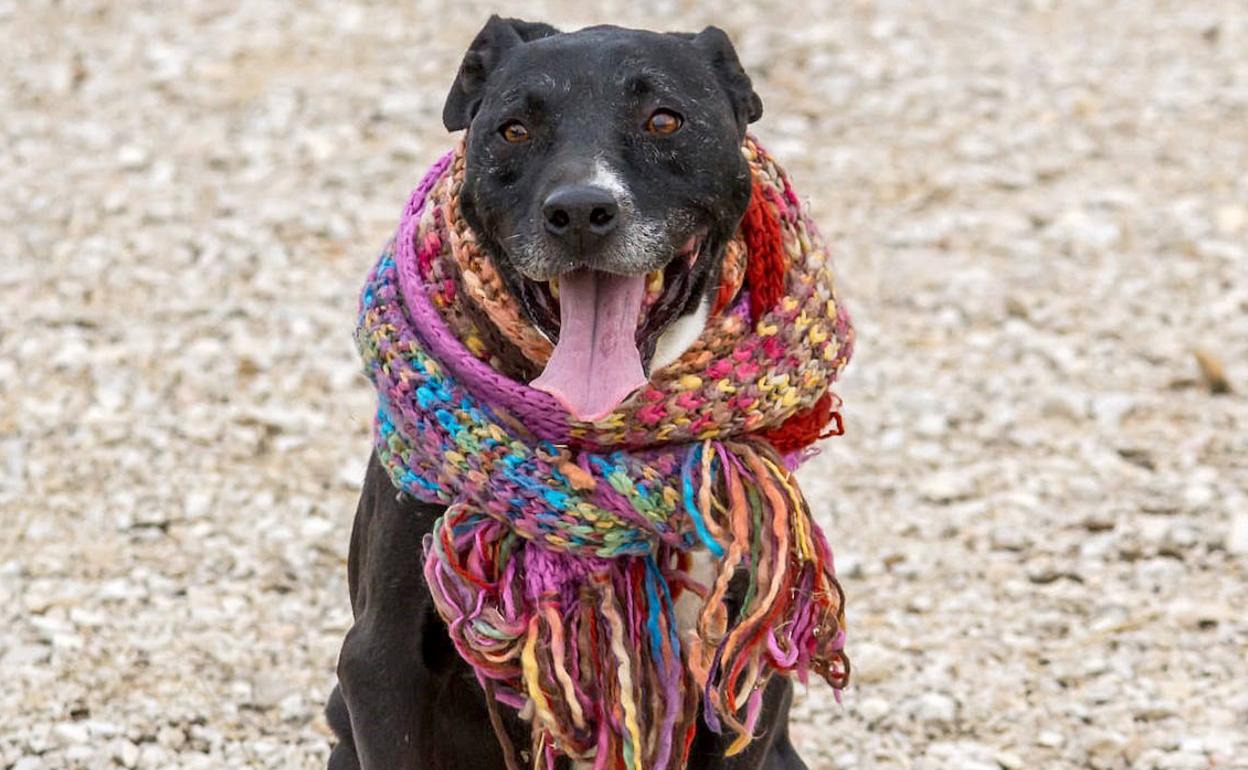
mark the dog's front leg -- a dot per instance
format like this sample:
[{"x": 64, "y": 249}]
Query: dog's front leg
[
  {"x": 405, "y": 700},
  {"x": 771, "y": 749},
  {"x": 381, "y": 674}
]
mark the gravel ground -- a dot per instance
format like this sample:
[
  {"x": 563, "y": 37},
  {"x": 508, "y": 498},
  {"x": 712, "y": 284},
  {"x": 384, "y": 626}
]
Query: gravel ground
[{"x": 1040, "y": 509}]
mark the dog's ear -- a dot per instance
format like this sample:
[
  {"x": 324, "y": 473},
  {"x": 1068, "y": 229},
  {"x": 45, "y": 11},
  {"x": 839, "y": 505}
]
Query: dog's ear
[
  {"x": 488, "y": 49},
  {"x": 715, "y": 45}
]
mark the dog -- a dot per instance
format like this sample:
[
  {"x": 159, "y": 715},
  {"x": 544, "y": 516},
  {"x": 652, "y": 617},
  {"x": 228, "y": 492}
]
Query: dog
[{"x": 609, "y": 148}]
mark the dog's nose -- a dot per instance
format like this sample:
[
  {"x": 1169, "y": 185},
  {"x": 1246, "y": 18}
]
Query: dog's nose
[{"x": 582, "y": 214}]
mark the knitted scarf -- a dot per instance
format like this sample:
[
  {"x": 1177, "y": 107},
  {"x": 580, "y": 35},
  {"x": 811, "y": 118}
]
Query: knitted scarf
[{"x": 565, "y": 545}]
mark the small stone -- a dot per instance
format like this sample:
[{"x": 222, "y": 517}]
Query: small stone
[
  {"x": 1050, "y": 739},
  {"x": 124, "y": 752},
  {"x": 197, "y": 504},
  {"x": 1184, "y": 760},
  {"x": 1065, "y": 406},
  {"x": 1016, "y": 307},
  {"x": 153, "y": 757},
  {"x": 70, "y": 733},
  {"x": 1008, "y": 538},
  {"x": 849, "y": 565},
  {"x": 1237, "y": 534},
  {"x": 25, "y": 655},
  {"x": 291, "y": 707},
  {"x": 1087, "y": 231},
  {"x": 873, "y": 663},
  {"x": 946, "y": 487},
  {"x": 131, "y": 157},
  {"x": 1212, "y": 371},
  {"x": 1231, "y": 219},
  {"x": 100, "y": 728},
  {"x": 1104, "y": 742},
  {"x": 171, "y": 737},
  {"x": 962, "y": 754},
  {"x": 873, "y": 709},
  {"x": 269, "y": 689},
  {"x": 1111, "y": 409},
  {"x": 351, "y": 474},
  {"x": 920, "y": 604},
  {"x": 79, "y": 753},
  {"x": 1156, "y": 710},
  {"x": 931, "y": 425},
  {"x": 1198, "y": 495},
  {"x": 846, "y": 761},
  {"x": 935, "y": 709}
]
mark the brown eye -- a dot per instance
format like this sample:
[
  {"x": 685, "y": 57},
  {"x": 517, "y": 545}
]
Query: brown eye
[
  {"x": 664, "y": 122},
  {"x": 514, "y": 132}
]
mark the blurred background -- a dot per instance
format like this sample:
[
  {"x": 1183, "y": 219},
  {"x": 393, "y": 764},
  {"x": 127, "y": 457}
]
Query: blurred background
[{"x": 1040, "y": 509}]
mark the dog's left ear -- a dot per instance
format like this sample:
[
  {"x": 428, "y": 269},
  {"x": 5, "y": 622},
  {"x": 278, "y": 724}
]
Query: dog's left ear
[
  {"x": 715, "y": 45},
  {"x": 496, "y": 39}
]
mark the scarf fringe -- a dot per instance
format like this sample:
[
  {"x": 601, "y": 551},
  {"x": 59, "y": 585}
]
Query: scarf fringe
[{"x": 593, "y": 643}]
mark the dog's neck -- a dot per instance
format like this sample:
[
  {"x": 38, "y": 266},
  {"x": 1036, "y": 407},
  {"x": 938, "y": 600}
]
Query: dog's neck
[{"x": 678, "y": 337}]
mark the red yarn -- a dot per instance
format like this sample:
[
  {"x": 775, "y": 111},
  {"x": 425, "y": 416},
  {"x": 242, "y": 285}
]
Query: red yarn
[
  {"x": 764, "y": 275},
  {"x": 805, "y": 428},
  {"x": 765, "y": 263}
]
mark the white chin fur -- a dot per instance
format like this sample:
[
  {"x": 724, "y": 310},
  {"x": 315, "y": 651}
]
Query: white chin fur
[{"x": 677, "y": 338}]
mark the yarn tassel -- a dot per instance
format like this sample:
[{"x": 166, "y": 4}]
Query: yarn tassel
[
  {"x": 791, "y": 616},
  {"x": 592, "y": 644}
]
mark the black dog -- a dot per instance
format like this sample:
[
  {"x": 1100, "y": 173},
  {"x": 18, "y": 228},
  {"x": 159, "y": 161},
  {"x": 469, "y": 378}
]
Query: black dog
[{"x": 608, "y": 151}]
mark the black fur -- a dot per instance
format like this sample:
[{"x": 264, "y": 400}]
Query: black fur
[{"x": 405, "y": 699}]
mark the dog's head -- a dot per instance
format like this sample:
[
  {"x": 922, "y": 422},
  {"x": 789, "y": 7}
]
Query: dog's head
[{"x": 595, "y": 159}]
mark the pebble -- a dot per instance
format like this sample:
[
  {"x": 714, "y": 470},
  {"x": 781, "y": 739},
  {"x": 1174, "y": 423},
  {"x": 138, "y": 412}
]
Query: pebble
[
  {"x": 1110, "y": 409},
  {"x": 1066, "y": 406},
  {"x": 874, "y": 709},
  {"x": 1237, "y": 534},
  {"x": 873, "y": 663},
  {"x": 1050, "y": 739},
  {"x": 124, "y": 752},
  {"x": 935, "y": 709},
  {"x": 1231, "y": 219},
  {"x": 1103, "y": 742},
  {"x": 70, "y": 733},
  {"x": 946, "y": 487},
  {"x": 132, "y": 158}
]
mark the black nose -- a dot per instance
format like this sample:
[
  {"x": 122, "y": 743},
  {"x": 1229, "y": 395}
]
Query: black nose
[{"x": 580, "y": 214}]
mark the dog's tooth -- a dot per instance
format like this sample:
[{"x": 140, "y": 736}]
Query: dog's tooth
[{"x": 654, "y": 282}]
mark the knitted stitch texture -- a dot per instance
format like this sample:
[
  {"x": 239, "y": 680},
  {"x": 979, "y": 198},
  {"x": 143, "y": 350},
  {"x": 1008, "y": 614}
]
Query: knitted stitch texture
[{"x": 565, "y": 545}]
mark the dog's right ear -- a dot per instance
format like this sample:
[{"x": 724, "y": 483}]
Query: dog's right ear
[
  {"x": 488, "y": 49},
  {"x": 722, "y": 56}
]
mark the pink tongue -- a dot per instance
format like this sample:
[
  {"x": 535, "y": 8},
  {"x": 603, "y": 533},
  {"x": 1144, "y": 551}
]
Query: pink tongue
[{"x": 596, "y": 363}]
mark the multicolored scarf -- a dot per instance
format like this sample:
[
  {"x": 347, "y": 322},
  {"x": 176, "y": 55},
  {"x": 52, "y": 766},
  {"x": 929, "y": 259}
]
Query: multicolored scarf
[{"x": 565, "y": 545}]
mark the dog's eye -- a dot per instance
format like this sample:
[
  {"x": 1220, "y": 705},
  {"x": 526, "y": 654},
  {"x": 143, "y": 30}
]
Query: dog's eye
[
  {"x": 664, "y": 122},
  {"x": 514, "y": 132}
]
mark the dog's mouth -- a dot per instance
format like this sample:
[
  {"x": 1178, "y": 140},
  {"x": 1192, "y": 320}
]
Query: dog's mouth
[{"x": 602, "y": 322}]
